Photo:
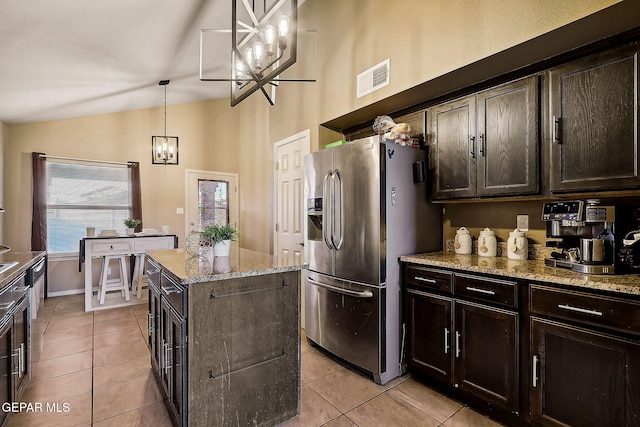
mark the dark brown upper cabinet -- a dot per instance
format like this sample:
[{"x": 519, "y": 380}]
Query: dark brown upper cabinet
[
  {"x": 487, "y": 144},
  {"x": 593, "y": 123}
]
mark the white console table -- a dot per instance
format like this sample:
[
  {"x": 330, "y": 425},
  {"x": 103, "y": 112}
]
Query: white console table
[{"x": 97, "y": 247}]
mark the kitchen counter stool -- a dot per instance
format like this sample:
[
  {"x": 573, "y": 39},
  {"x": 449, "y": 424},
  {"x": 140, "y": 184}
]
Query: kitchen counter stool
[
  {"x": 120, "y": 284},
  {"x": 139, "y": 278}
]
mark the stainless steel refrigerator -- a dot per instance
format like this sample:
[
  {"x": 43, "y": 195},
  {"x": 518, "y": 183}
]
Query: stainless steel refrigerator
[{"x": 366, "y": 206}]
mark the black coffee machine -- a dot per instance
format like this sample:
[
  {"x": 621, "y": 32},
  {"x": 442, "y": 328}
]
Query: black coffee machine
[
  {"x": 629, "y": 253},
  {"x": 583, "y": 233}
]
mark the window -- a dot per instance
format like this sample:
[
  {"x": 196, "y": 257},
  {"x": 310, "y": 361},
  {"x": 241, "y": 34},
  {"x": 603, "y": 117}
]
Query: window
[
  {"x": 80, "y": 196},
  {"x": 213, "y": 202}
]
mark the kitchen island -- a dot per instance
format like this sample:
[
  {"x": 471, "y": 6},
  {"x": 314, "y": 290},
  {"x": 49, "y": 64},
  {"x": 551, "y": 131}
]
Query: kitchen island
[{"x": 224, "y": 336}]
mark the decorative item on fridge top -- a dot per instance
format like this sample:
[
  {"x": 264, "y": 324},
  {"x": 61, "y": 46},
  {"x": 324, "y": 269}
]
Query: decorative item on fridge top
[
  {"x": 462, "y": 243},
  {"x": 396, "y": 132}
]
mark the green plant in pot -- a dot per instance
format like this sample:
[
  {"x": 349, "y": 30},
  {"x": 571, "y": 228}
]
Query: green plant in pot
[
  {"x": 131, "y": 224},
  {"x": 220, "y": 237}
]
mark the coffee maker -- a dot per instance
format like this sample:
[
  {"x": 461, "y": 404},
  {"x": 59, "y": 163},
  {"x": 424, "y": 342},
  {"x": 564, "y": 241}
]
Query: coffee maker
[{"x": 583, "y": 234}]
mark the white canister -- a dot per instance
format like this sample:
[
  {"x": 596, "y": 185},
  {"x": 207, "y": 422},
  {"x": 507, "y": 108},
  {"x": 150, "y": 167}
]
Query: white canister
[
  {"x": 487, "y": 245},
  {"x": 517, "y": 245},
  {"x": 462, "y": 242}
]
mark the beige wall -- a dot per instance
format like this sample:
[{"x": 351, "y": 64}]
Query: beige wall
[{"x": 424, "y": 39}]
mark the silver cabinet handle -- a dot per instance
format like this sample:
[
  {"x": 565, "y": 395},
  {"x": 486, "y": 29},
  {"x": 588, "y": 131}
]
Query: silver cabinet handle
[
  {"x": 22, "y": 363},
  {"x": 535, "y": 371},
  {"x": 169, "y": 291},
  {"x": 149, "y": 323},
  {"x": 362, "y": 294},
  {"x": 446, "y": 341},
  {"x": 165, "y": 357},
  {"x": 457, "y": 344},
  {"x": 557, "y": 129},
  {"x": 580, "y": 310},
  {"x": 480, "y": 291},
  {"x": 424, "y": 279},
  {"x": 472, "y": 147},
  {"x": 7, "y": 306}
]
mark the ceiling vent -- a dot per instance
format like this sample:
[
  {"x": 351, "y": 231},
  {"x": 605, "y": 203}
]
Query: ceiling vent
[{"x": 373, "y": 79}]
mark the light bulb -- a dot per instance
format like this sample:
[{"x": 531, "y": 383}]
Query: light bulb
[
  {"x": 239, "y": 67},
  {"x": 283, "y": 31},
  {"x": 283, "y": 25},
  {"x": 269, "y": 38},
  {"x": 248, "y": 57},
  {"x": 258, "y": 51}
]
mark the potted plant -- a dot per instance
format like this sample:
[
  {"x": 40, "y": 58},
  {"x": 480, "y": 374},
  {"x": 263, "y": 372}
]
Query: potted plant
[
  {"x": 131, "y": 224},
  {"x": 220, "y": 237}
]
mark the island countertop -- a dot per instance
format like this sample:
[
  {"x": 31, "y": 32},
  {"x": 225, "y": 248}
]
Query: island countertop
[
  {"x": 189, "y": 269},
  {"x": 534, "y": 270}
]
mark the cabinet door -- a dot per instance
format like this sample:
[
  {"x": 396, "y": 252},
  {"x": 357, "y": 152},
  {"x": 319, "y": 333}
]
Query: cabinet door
[
  {"x": 453, "y": 148},
  {"x": 21, "y": 356},
  {"x": 6, "y": 394},
  {"x": 486, "y": 353},
  {"x": 583, "y": 378},
  {"x": 429, "y": 334},
  {"x": 155, "y": 337},
  {"x": 173, "y": 336},
  {"x": 508, "y": 139},
  {"x": 593, "y": 122}
]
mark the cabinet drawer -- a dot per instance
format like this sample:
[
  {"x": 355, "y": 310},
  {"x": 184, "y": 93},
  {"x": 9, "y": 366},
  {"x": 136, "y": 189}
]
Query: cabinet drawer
[
  {"x": 495, "y": 291},
  {"x": 144, "y": 244},
  {"x": 613, "y": 313},
  {"x": 428, "y": 278},
  {"x": 174, "y": 293},
  {"x": 110, "y": 247}
]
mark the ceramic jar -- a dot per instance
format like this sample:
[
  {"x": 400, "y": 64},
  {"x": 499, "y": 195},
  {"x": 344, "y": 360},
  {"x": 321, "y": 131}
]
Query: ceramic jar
[
  {"x": 462, "y": 242},
  {"x": 487, "y": 245},
  {"x": 517, "y": 245}
]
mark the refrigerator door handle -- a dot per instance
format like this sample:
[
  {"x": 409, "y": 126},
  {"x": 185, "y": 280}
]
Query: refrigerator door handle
[
  {"x": 339, "y": 239},
  {"x": 361, "y": 294},
  {"x": 326, "y": 208}
]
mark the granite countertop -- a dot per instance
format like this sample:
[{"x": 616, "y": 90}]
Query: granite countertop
[
  {"x": 24, "y": 260},
  {"x": 534, "y": 270},
  {"x": 189, "y": 269}
]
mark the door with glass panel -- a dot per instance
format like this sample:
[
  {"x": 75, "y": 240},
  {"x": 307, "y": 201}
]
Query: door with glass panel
[{"x": 212, "y": 198}]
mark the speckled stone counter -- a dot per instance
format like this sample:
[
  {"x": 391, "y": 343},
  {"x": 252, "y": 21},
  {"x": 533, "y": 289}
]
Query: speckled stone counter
[
  {"x": 534, "y": 270},
  {"x": 188, "y": 269},
  {"x": 24, "y": 260}
]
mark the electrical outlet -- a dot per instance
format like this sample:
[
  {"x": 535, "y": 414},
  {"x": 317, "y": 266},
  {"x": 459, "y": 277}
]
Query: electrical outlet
[{"x": 522, "y": 222}]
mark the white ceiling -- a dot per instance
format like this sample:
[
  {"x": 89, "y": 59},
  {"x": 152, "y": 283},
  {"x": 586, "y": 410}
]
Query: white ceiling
[{"x": 71, "y": 58}]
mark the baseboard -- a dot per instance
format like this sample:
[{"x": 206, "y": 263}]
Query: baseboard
[{"x": 63, "y": 293}]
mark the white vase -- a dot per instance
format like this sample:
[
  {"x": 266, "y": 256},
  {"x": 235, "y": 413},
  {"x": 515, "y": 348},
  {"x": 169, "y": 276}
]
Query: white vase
[
  {"x": 222, "y": 248},
  {"x": 130, "y": 231}
]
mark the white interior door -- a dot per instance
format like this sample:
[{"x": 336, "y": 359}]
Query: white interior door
[
  {"x": 211, "y": 197},
  {"x": 289, "y": 177}
]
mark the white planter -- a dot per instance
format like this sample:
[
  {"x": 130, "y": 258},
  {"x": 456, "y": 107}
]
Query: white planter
[
  {"x": 130, "y": 231},
  {"x": 222, "y": 249}
]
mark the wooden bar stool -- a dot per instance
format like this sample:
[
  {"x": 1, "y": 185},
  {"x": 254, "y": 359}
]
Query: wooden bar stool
[
  {"x": 138, "y": 275},
  {"x": 121, "y": 284}
]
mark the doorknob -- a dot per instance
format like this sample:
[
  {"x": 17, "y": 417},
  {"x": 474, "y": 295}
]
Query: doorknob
[
  {"x": 192, "y": 224},
  {"x": 301, "y": 243}
]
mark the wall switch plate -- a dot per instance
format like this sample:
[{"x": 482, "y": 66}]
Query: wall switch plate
[
  {"x": 522, "y": 222},
  {"x": 180, "y": 211}
]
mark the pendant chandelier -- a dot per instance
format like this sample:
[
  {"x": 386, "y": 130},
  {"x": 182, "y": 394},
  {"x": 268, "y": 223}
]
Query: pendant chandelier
[
  {"x": 264, "y": 43},
  {"x": 164, "y": 149}
]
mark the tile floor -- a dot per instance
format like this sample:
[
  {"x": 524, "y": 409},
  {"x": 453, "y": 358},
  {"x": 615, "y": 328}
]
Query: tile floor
[{"x": 93, "y": 369}]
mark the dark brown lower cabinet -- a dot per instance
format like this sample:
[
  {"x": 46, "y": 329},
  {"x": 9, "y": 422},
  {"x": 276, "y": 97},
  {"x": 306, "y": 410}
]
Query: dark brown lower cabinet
[
  {"x": 471, "y": 346},
  {"x": 583, "y": 378},
  {"x": 486, "y": 353}
]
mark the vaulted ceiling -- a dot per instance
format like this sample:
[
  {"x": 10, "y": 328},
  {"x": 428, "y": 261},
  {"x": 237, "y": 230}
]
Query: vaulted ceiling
[{"x": 70, "y": 58}]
